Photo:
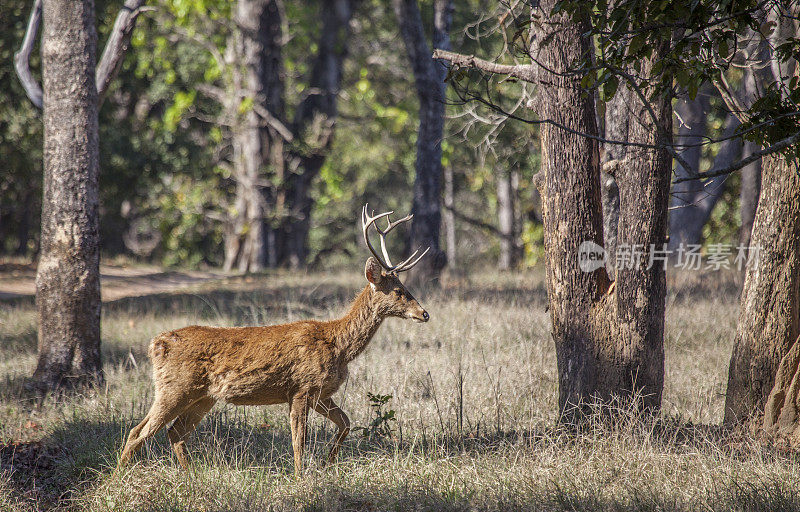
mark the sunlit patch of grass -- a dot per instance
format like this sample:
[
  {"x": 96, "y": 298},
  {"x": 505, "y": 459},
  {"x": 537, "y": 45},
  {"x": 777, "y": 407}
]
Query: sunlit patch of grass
[{"x": 474, "y": 395}]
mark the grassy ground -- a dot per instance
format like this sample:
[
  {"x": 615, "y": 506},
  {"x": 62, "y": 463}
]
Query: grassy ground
[{"x": 474, "y": 395}]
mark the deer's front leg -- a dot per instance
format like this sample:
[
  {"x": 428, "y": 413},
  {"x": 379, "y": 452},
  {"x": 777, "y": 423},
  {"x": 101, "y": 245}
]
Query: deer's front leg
[
  {"x": 298, "y": 416},
  {"x": 330, "y": 410}
]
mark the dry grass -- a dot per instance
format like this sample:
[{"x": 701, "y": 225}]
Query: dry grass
[{"x": 474, "y": 392}]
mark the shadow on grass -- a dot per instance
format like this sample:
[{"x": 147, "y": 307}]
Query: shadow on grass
[
  {"x": 18, "y": 343},
  {"x": 73, "y": 458},
  {"x": 530, "y": 296}
]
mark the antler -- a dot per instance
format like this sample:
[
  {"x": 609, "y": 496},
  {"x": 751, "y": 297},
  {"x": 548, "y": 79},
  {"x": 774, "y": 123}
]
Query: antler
[{"x": 369, "y": 220}]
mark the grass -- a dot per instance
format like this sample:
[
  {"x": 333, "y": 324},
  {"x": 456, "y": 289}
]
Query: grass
[{"x": 474, "y": 392}]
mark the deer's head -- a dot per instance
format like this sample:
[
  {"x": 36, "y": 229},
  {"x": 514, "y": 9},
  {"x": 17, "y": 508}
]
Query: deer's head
[{"x": 392, "y": 296}]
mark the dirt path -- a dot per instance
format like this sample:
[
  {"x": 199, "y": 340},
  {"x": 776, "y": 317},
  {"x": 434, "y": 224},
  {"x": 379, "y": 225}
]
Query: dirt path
[{"x": 116, "y": 281}]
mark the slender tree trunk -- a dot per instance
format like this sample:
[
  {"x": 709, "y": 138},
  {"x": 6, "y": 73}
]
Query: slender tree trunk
[
  {"x": 24, "y": 224},
  {"x": 429, "y": 78},
  {"x": 617, "y": 119},
  {"x": 769, "y": 314},
  {"x": 449, "y": 216},
  {"x": 67, "y": 279},
  {"x": 257, "y": 73},
  {"x": 693, "y": 201},
  {"x": 609, "y": 342},
  {"x": 507, "y": 220},
  {"x": 314, "y": 126}
]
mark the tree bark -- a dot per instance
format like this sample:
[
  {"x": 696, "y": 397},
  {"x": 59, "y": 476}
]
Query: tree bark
[
  {"x": 67, "y": 279},
  {"x": 782, "y": 410},
  {"x": 609, "y": 342},
  {"x": 644, "y": 182},
  {"x": 616, "y": 125},
  {"x": 769, "y": 315},
  {"x": 429, "y": 78}
]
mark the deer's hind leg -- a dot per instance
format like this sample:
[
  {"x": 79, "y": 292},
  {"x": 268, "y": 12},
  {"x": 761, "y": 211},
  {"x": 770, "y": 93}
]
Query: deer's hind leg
[
  {"x": 327, "y": 408},
  {"x": 163, "y": 410},
  {"x": 298, "y": 418},
  {"x": 184, "y": 424}
]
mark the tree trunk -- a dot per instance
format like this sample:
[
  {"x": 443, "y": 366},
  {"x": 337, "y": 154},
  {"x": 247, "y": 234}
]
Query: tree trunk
[
  {"x": 769, "y": 315},
  {"x": 693, "y": 201},
  {"x": 67, "y": 279},
  {"x": 616, "y": 128},
  {"x": 429, "y": 78},
  {"x": 449, "y": 216},
  {"x": 314, "y": 126},
  {"x": 782, "y": 411},
  {"x": 507, "y": 220},
  {"x": 609, "y": 342},
  {"x": 24, "y": 224},
  {"x": 257, "y": 77},
  {"x": 643, "y": 182},
  {"x": 748, "y": 196}
]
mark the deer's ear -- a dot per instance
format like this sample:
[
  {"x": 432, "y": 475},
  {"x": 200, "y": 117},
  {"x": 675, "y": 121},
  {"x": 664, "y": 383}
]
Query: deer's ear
[{"x": 373, "y": 271}]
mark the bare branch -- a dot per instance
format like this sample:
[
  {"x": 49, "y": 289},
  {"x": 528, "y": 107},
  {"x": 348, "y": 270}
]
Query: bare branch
[
  {"x": 117, "y": 45},
  {"x": 479, "y": 223},
  {"x": 778, "y": 146},
  {"x": 653, "y": 117},
  {"x": 730, "y": 98},
  {"x": 212, "y": 91},
  {"x": 220, "y": 95},
  {"x": 521, "y": 71},
  {"x": 109, "y": 62},
  {"x": 23, "y": 56},
  {"x": 205, "y": 43},
  {"x": 273, "y": 122}
]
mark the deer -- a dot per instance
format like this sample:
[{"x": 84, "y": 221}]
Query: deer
[{"x": 301, "y": 364}]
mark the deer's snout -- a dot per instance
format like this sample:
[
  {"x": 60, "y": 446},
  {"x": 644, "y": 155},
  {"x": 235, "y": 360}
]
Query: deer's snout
[{"x": 418, "y": 314}]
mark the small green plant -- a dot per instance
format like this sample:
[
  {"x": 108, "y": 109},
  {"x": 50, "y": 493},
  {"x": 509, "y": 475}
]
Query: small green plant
[{"x": 381, "y": 425}]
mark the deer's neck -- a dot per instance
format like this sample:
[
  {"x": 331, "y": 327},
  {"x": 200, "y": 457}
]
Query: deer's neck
[{"x": 355, "y": 330}]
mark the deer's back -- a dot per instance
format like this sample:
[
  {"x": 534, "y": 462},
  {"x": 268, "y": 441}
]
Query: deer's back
[{"x": 248, "y": 365}]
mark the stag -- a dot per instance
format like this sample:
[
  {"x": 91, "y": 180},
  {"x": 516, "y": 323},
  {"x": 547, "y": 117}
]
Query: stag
[{"x": 301, "y": 363}]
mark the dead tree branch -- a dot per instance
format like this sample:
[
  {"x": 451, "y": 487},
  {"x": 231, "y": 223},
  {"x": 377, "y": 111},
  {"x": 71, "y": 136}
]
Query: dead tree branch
[
  {"x": 117, "y": 45},
  {"x": 521, "y": 71},
  {"x": 107, "y": 69},
  {"x": 23, "y": 56},
  {"x": 778, "y": 146}
]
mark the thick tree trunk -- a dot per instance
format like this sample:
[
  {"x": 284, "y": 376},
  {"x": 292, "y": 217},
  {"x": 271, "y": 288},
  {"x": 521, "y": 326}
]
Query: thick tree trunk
[
  {"x": 643, "y": 182},
  {"x": 314, "y": 126},
  {"x": 782, "y": 411},
  {"x": 429, "y": 78},
  {"x": 609, "y": 342},
  {"x": 748, "y": 195},
  {"x": 769, "y": 316},
  {"x": 67, "y": 279},
  {"x": 507, "y": 221},
  {"x": 258, "y": 73}
]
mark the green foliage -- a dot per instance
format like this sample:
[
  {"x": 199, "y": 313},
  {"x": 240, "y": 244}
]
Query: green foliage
[
  {"x": 700, "y": 40},
  {"x": 20, "y": 140},
  {"x": 165, "y": 144},
  {"x": 382, "y": 419}
]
